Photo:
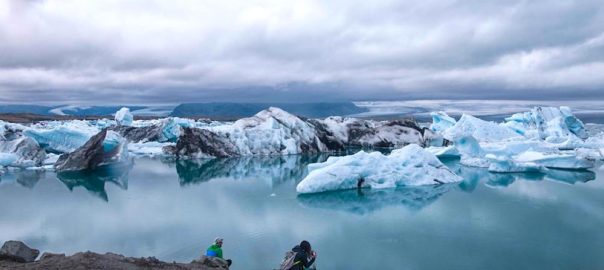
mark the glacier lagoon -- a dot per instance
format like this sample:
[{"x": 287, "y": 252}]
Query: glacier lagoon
[{"x": 172, "y": 210}]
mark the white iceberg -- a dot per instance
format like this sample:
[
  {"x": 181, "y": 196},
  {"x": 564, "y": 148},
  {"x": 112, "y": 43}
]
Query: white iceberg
[
  {"x": 554, "y": 160},
  {"x": 551, "y": 124},
  {"x": 479, "y": 129},
  {"x": 408, "y": 166},
  {"x": 123, "y": 117},
  {"x": 149, "y": 149}
]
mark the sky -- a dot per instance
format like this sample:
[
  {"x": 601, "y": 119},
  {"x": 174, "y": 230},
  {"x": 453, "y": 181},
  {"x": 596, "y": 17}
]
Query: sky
[{"x": 154, "y": 52}]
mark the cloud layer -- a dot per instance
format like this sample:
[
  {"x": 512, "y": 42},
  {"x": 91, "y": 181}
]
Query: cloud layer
[{"x": 175, "y": 51}]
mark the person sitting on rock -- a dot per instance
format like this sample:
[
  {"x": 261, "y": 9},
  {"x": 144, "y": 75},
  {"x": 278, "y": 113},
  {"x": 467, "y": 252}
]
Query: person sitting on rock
[
  {"x": 215, "y": 250},
  {"x": 305, "y": 256}
]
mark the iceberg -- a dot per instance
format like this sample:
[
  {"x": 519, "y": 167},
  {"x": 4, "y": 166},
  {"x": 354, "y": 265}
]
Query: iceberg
[
  {"x": 149, "y": 149},
  {"x": 444, "y": 151},
  {"x": 62, "y": 137},
  {"x": 554, "y": 160},
  {"x": 123, "y": 117},
  {"x": 21, "y": 152},
  {"x": 441, "y": 121},
  {"x": 514, "y": 156},
  {"x": 532, "y": 161},
  {"x": 269, "y": 132},
  {"x": 483, "y": 131},
  {"x": 507, "y": 165},
  {"x": 105, "y": 148},
  {"x": 273, "y": 131},
  {"x": 369, "y": 133},
  {"x": 408, "y": 166},
  {"x": 163, "y": 130},
  {"x": 550, "y": 124}
]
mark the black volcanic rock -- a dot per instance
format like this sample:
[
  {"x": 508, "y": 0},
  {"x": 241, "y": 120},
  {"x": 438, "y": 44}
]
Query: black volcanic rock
[
  {"x": 18, "y": 251},
  {"x": 91, "y": 260},
  {"x": 199, "y": 143},
  {"x": 139, "y": 134},
  {"x": 89, "y": 156}
]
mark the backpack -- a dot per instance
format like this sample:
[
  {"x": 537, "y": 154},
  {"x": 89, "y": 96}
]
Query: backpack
[{"x": 288, "y": 260}]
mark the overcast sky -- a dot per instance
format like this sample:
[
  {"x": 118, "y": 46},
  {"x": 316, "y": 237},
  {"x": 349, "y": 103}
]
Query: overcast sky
[{"x": 121, "y": 51}]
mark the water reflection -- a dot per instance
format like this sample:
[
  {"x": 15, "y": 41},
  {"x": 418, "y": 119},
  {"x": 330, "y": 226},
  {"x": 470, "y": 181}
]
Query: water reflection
[
  {"x": 25, "y": 178},
  {"x": 366, "y": 201},
  {"x": 273, "y": 169},
  {"x": 571, "y": 176},
  {"x": 94, "y": 181},
  {"x": 473, "y": 175}
]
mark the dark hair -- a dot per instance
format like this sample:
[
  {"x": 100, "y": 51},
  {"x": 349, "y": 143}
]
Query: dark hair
[{"x": 305, "y": 245}]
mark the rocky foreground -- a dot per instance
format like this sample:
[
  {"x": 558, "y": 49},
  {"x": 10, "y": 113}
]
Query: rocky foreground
[{"x": 17, "y": 255}]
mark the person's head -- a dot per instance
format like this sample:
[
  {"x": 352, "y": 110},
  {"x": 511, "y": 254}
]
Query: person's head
[
  {"x": 218, "y": 241},
  {"x": 305, "y": 245}
]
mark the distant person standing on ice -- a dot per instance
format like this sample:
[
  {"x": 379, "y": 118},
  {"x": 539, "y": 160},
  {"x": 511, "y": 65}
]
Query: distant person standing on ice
[{"x": 215, "y": 250}]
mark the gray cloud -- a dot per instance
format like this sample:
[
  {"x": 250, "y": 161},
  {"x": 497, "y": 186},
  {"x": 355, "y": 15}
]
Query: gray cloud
[{"x": 182, "y": 51}]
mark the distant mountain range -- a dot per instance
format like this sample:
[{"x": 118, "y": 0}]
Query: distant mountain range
[
  {"x": 238, "y": 110},
  {"x": 222, "y": 110}
]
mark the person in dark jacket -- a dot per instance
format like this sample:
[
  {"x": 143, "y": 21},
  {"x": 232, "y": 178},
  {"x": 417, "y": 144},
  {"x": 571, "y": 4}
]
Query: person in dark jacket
[{"x": 305, "y": 256}]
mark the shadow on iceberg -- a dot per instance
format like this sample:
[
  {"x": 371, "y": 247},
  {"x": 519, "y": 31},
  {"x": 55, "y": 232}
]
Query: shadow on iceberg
[
  {"x": 274, "y": 169},
  {"x": 365, "y": 201},
  {"x": 94, "y": 180}
]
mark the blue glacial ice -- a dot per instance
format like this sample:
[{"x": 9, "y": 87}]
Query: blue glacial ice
[
  {"x": 441, "y": 121},
  {"x": 61, "y": 137}
]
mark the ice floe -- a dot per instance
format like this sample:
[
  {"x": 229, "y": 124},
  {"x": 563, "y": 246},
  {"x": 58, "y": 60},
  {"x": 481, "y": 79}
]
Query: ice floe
[{"x": 408, "y": 166}]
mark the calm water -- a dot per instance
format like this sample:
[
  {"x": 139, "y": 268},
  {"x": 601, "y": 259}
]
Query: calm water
[{"x": 174, "y": 210}]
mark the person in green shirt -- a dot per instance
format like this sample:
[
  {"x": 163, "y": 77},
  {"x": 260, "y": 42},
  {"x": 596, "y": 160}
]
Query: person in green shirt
[{"x": 215, "y": 250}]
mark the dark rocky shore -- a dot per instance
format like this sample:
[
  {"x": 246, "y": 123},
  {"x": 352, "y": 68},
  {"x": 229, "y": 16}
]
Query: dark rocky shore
[{"x": 17, "y": 255}]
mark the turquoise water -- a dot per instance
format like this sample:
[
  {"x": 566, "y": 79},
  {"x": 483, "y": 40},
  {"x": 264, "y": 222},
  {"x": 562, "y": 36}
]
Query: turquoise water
[{"x": 174, "y": 210}]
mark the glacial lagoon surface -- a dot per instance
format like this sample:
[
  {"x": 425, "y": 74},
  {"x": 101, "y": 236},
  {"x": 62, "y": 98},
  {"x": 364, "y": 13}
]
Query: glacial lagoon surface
[{"x": 174, "y": 209}]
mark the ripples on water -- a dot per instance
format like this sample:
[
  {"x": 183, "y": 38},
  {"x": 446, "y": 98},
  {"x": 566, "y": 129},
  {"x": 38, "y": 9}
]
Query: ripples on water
[{"x": 173, "y": 210}]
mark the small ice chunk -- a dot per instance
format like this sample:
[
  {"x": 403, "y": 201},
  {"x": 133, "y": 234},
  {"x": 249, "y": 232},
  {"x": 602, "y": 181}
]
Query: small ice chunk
[
  {"x": 150, "y": 149},
  {"x": 123, "y": 117},
  {"x": 504, "y": 164},
  {"x": 441, "y": 121}
]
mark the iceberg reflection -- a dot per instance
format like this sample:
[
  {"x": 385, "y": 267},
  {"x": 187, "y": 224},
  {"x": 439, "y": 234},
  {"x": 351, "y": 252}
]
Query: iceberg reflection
[
  {"x": 473, "y": 175},
  {"x": 25, "y": 178},
  {"x": 274, "y": 169},
  {"x": 366, "y": 201},
  {"x": 570, "y": 176},
  {"x": 94, "y": 181}
]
